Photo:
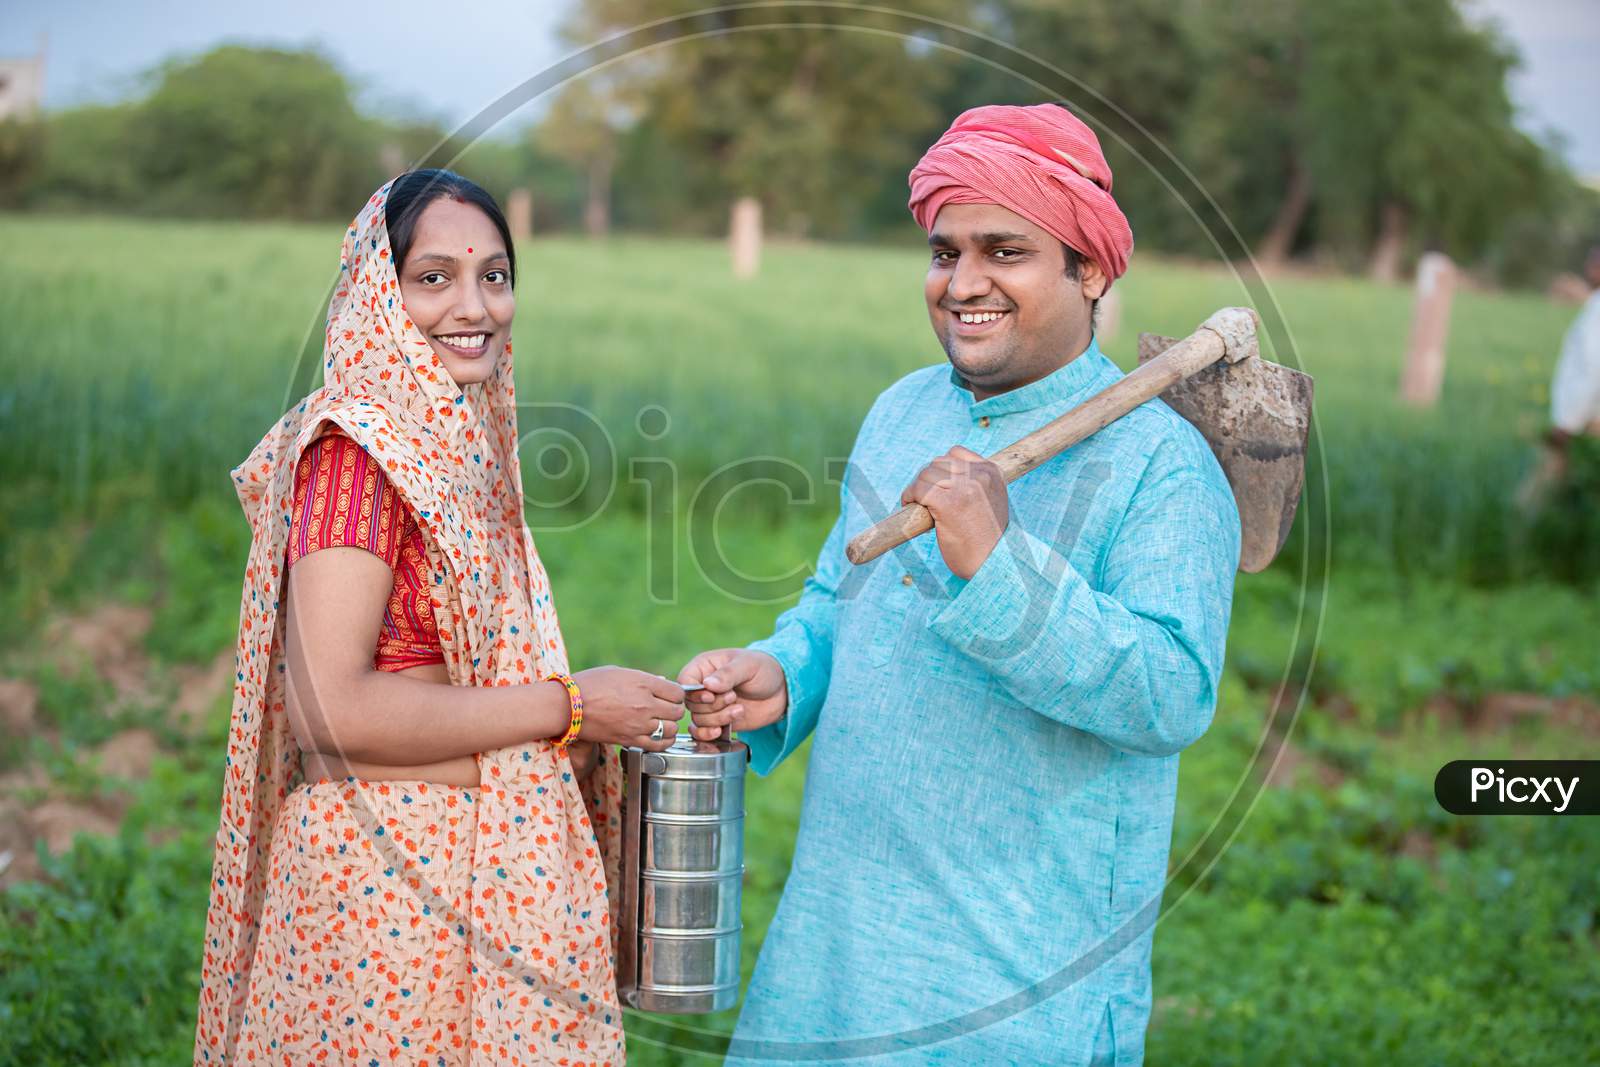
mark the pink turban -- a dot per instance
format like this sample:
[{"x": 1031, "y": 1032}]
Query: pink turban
[{"x": 1041, "y": 162}]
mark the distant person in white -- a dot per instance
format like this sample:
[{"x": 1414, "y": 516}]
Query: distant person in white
[{"x": 1574, "y": 391}]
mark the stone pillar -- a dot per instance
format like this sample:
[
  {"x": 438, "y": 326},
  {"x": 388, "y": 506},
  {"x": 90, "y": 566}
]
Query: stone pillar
[
  {"x": 744, "y": 237},
  {"x": 519, "y": 215},
  {"x": 392, "y": 158},
  {"x": 1423, "y": 376}
]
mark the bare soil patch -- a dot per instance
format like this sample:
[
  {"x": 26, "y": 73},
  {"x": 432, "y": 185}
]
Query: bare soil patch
[{"x": 110, "y": 641}]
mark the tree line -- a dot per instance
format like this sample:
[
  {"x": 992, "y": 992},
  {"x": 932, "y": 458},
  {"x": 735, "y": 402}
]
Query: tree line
[
  {"x": 1355, "y": 133},
  {"x": 235, "y": 133}
]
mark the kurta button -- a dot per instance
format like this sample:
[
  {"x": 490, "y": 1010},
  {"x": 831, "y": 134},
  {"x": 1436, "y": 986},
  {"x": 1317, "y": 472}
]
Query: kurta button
[
  {"x": 906, "y": 579},
  {"x": 983, "y": 420}
]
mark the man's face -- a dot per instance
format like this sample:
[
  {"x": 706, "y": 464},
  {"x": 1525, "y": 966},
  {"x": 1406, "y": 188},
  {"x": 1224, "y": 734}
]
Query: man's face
[{"x": 1000, "y": 298}]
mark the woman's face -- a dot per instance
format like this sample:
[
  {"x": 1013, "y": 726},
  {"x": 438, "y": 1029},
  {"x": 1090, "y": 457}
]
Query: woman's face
[{"x": 456, "y": 286}]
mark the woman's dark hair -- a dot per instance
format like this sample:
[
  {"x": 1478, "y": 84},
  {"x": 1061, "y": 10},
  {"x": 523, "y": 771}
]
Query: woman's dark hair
[{"x": 414, "y": 190}]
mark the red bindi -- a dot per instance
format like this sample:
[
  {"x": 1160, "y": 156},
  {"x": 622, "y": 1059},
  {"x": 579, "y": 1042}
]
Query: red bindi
[{"x": 469, "y": 251}]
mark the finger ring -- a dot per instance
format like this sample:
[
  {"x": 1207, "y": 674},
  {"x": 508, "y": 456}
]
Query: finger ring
[{"x": 660, "y": 731}]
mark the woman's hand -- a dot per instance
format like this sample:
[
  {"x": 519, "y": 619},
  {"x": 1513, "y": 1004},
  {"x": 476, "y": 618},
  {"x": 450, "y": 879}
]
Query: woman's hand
[
  {"x": 623, "y": 706},
  {"x": 743, "y": 689},
  {"x": 584, "y": 757}
]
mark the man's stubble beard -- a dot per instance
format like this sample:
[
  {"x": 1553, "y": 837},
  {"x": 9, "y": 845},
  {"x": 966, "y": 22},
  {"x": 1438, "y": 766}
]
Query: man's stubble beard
[{"x": 995, "y": 363}]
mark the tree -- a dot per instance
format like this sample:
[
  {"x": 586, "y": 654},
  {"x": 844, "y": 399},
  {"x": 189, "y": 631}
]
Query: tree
[
  {"x": 810, "y": 120},
  {"x": 1409, "y": 128},
  {"x": 21, "y": 149},
  {"x": 1362, "y": 127},
  {"x": 581, "y": 127},
  {"x": 1241, "y": 131},
  {"x": 256, "y": 132}
]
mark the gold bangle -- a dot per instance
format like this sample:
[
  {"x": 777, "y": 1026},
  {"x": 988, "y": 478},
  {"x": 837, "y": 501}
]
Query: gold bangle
[{"x": 575, "y": 698}]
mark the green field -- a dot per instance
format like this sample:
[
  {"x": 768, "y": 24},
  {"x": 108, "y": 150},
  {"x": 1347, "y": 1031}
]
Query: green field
[{"x": 1347, "y": 920}]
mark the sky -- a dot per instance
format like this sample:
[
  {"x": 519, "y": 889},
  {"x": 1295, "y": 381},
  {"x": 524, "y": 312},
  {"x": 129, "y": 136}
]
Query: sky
[
  {"x": 392, "y": 51},
  {"x": 1559, "y": 83}
]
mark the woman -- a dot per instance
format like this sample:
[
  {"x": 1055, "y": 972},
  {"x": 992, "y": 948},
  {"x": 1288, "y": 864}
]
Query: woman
[{"x": 418, "y": 814}]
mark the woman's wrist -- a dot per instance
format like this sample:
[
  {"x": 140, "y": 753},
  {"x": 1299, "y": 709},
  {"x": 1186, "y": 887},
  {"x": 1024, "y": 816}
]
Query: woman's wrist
[
  {"x": 552, "y": 710},
  {"x": 575, "y": 707}
]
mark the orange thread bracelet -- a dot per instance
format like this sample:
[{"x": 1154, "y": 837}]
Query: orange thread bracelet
[{"x": 576, "y": 699}]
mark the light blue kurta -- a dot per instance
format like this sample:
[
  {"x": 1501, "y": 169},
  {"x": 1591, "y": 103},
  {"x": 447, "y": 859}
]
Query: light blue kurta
[{"x": 988, "y": 804}]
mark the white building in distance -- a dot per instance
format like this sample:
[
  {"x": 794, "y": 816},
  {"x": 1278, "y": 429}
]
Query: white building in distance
[{"x": 21, "y": 85}]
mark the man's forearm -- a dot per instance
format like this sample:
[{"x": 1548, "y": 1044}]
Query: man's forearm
[{"x": 1077, "y": 656}]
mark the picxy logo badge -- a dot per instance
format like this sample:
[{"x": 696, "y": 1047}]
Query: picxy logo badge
[{"x": 1519, "y": 787}]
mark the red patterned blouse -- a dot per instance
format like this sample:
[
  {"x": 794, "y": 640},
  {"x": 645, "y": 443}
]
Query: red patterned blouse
[{"x": 342, "y": 498}]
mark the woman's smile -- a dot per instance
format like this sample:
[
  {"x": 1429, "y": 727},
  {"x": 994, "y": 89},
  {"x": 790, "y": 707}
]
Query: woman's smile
[{"x": 467, "y": 345}]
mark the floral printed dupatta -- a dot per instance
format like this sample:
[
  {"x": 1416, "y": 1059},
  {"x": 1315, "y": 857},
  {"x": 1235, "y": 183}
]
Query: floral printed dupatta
[{"x": 541, "y": 923}]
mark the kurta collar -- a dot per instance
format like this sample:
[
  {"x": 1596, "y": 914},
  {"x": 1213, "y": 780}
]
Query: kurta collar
[{"x": 1068, "y": 384}]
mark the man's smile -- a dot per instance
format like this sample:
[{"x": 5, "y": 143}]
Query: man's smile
[{"x": 976, "y": 322}]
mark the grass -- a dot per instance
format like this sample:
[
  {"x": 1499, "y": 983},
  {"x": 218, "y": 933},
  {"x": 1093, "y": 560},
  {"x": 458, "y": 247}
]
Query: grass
[
  {"x": 1351, "y": 922},
  {"x": 1349, "y": 919},
  {"x": 142, "y": 359}
]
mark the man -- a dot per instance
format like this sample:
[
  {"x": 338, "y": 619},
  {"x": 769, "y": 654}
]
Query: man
[
  {"x": 996, "y": 710},
  {"x": 1574, "y": 392}
]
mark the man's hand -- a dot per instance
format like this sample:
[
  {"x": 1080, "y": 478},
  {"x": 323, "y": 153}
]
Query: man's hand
[
  {"x": 584, "y": 756},
  {"x": 743, "y": 689},
  {"x": 966, "y": 494},
  {"x": 1547, "y": 474}
]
